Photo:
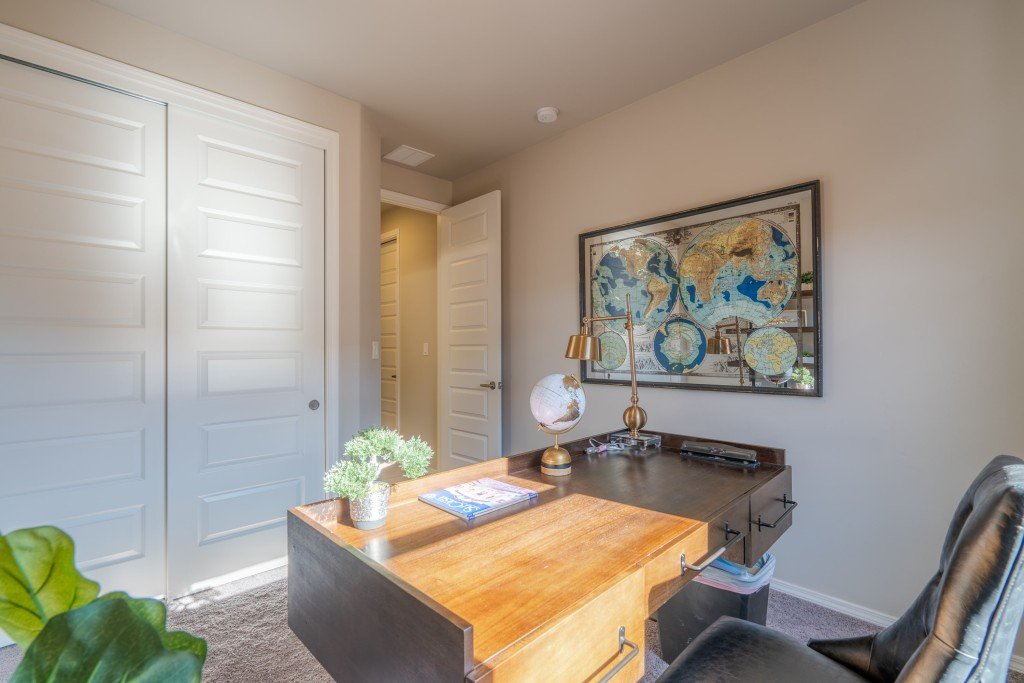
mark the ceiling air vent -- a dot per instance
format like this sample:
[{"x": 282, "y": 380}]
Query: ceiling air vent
[{"x": 410, "y": 156}]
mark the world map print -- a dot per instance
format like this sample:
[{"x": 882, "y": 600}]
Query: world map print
[
  {"x": 645, "y": 270},
  {"x": 735, "y": 278},
  {"x": 772, "y": 352},
  {"x": 613, "y": 350},
  {"x": 742, "y": 267},
  {"x": 680, "y": 345}
]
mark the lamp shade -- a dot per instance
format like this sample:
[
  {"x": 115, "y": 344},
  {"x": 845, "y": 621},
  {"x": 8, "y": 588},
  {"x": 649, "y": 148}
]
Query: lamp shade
[
  {"x": 583, "y": 347},
  {"x": 719, "y": 344}
]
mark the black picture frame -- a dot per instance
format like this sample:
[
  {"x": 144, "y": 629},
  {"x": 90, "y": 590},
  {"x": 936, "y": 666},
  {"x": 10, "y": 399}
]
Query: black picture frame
[{"x": 814, "y": 188}]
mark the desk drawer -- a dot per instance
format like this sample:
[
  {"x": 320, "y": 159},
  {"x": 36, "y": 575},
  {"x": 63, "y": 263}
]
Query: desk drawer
[
  {"x": 663, "y": 574},
  {"x": 770, "y": 516},
  {"x": 583, "y": 646}
]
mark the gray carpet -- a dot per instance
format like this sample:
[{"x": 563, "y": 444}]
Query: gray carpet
[{"x": 245, "y": 624}]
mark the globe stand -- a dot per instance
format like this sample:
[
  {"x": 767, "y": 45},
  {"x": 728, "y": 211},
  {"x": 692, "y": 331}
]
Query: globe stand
[{"x": 555, "y": 461}]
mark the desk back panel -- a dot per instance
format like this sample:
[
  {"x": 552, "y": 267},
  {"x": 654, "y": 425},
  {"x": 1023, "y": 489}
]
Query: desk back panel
[{"x": 357, "y": 618}]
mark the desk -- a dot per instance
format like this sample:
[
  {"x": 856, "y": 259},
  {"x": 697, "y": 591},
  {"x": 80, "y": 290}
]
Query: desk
[{"x": 539, "y": 591}]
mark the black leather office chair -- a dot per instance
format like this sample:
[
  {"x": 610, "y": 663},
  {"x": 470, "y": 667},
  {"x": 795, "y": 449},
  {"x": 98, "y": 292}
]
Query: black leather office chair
[{"x": 960, "y": 628}]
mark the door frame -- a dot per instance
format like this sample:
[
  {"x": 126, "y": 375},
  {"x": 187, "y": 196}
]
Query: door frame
[
  {"x": 411, "y": 202},
  {"x": 37, "y": 51},
  {"x": 385, "y": 237}
]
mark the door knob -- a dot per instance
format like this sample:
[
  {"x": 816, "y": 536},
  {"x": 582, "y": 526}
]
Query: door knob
[
  {"x": 314, "y": 404},
  {"x": 490, "y": 385}
]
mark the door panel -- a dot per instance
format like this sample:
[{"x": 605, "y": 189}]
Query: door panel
[
  {"x": 389, "y": 342},
  {"x": 469, "y": 332},
  {"x": 82, "y": 336},
  {"x": 246, "y": 343}
]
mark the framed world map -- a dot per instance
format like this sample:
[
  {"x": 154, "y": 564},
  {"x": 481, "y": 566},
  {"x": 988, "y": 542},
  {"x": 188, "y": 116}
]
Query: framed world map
[{"x": 725, "y": 297}]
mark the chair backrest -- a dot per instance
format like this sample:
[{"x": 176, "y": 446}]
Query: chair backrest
[{"x": 963, "y": 625}]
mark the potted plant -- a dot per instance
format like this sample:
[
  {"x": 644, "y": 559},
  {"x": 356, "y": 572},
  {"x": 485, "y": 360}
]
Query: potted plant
[
  {"x": 803, "y": 378},
  {"x": 807, "y": 280},
  {"x": 366, "y": 456},
  {"x": 69, "y": 632}
]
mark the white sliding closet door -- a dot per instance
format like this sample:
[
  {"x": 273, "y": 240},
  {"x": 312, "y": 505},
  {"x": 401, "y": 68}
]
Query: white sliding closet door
[
  {"x": 82, "y": 220},
  {"x": 245, "y": 343}
]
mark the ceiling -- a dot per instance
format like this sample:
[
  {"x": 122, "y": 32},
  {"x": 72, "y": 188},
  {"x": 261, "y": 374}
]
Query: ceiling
[{"x": 463, "y": 78}]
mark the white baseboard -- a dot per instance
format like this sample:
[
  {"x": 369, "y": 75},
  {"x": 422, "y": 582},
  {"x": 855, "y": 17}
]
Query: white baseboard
[
  {"x": 842, "y": 606},
  {"x": 856, "y": 611}
]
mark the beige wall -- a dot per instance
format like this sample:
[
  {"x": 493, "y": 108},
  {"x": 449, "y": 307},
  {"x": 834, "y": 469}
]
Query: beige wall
[
  {"x": 910, "y": 112},
  {"x": 105, "y": 31},
  {"x": 417, "y": 310},
  {"x": 414, "y": 183}
]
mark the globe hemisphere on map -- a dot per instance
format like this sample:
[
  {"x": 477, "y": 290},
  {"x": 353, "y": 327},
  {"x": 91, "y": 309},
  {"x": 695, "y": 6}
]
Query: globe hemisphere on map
[
  {"x": 557, "y": 402},
  {"x": 646, "y": 271},
  {"x": 771, "y": 351},
  {"x": 680, "y": 345},
  {"x": 613, "y": 350},
  {"x": 745, "y": 267}
]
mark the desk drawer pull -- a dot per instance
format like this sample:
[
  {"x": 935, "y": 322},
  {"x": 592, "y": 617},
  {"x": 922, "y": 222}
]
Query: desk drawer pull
[
  {"x": 790, "y": 505},
  {"x": 623, "y": 643},
  {"x": 683, "y": 565}
]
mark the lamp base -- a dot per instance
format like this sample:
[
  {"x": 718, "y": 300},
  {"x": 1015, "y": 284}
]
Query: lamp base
[
  {"x": 556, "y": 462},
  {"x": 642, "y": 440}
]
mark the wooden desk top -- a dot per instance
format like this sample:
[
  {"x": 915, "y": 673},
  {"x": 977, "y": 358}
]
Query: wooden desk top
[{"x": 519, "y": 570}]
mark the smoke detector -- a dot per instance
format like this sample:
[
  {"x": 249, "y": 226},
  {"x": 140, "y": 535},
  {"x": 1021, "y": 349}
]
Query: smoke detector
[
  {"x": 409, "y": 156},
  {"x": 547, "y": 114}
]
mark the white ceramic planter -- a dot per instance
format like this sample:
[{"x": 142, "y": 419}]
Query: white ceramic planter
[{"x": 371, "y": 512}]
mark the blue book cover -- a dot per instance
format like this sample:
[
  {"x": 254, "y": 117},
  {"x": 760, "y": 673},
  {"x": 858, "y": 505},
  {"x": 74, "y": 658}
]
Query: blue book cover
[{"x": 479, "y": 497}]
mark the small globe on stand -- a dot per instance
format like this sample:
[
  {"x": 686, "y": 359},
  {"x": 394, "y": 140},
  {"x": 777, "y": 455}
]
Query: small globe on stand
[{"x": 557, "y": 403}]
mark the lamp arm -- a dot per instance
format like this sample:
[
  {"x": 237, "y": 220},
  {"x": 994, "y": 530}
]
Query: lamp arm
[
  {"x": 596, "y": 319},
  {"x": 633, "y": 398}
]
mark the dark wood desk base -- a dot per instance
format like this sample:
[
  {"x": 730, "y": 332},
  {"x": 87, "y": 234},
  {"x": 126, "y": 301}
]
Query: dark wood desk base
[{"x": 535, "y": 592}]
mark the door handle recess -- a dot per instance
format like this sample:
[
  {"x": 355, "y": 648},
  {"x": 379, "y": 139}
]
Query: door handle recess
[
  {"x": 790, "y": 505},
  {"x": 314, "y": 404},
  {"x": 623, "y": 644},
  {"x": 490, "y": 385},
  {"x": 737, "y": 537}
]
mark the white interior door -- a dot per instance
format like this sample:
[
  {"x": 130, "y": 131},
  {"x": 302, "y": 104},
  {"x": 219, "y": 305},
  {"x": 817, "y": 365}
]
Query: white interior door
[
  {"x": 389, "y": 329},
  {"x": 82, "y": 226},
  {"x": 469, "y": 332},
  {"x": 246, "y": 344}
]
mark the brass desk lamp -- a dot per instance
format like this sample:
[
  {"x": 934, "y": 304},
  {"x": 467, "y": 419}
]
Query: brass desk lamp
[{"x": 585, "y": 346}]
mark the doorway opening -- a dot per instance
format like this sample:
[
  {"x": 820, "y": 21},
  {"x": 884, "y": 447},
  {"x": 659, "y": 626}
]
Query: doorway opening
[{"x": 408, "y": 322}]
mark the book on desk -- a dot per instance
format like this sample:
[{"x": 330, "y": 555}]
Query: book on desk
[{"x": 472, "y": 499}]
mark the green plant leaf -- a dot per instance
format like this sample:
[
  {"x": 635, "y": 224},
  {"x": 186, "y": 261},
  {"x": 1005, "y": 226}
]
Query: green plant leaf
[
  {"x": 38, "y": 581},
  {"x": 114, "y": 639},
  {"x": 154, "y": 612}
]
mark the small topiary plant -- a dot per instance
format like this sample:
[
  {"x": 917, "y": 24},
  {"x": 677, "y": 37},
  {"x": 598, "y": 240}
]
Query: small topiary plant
[
  {"x": 803, "y": 376},
  {"x": 366, "y": 456},
  {"x": 807, "y": 278}
]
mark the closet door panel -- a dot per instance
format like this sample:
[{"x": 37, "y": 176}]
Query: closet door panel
[
  {"x": 82, "y": 335},
  {"x": 246, "y": 343}
]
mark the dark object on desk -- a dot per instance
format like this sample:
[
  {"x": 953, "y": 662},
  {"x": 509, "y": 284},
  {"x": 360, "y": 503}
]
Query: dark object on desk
[
  {"x": 642, "y": 440},
  {"x": 960, "y": 628},
  {"x": 720, "y": 450}
]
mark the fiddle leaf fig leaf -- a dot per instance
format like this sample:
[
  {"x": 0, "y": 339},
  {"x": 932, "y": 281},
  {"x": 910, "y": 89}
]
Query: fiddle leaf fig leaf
[
  {"x": 154, "y": 612},
  {"x": 114, "y": 639},
  {"x": 38, "y": 581}
]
